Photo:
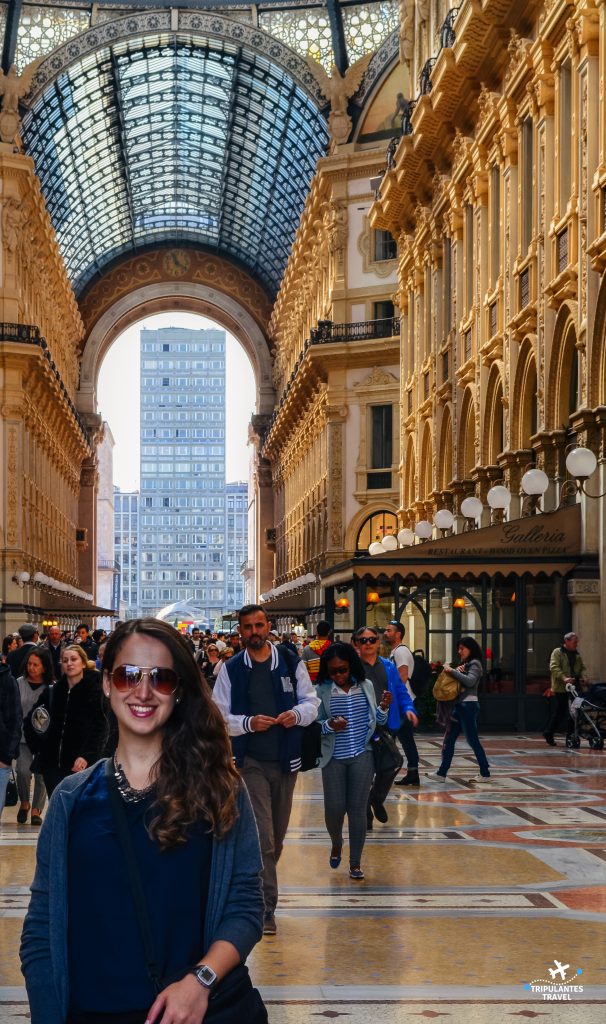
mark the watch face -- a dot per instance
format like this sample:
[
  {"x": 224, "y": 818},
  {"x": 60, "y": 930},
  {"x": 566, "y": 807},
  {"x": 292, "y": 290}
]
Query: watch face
[{"x": 206, "y": 975}]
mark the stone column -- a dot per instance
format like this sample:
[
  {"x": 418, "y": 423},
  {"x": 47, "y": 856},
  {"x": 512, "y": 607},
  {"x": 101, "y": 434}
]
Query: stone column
[
  {"x": 87, "y": 525},
  {"x": 584, "y": 596}
]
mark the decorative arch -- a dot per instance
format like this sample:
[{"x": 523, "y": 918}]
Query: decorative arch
[
  {"x": 368, "y": 524},
  {"x": 466, "y": 448},
  {"x": 493, "y": 440},
  {"x": 409, "y": 475},
  {"x": 597, "y": 363},
  {"x": 563, "y": 368},
  {"x": 524, "y": 407},
  {"x": 426, "y": 465},
  {"x": 143, "y": 285},
  {"x": 445, "y": 453}
]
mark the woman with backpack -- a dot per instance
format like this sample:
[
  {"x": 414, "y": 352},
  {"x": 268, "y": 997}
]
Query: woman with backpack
[{"x": 464, "y": 715}]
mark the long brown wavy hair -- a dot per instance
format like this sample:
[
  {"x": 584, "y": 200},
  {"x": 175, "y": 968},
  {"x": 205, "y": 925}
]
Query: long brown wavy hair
[{"x": 195, "y": 778}]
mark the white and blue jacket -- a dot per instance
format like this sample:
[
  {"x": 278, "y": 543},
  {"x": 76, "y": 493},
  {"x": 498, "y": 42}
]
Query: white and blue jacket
[{"x": 293, "y": 690}]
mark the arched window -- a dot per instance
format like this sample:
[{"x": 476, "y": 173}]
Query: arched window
[{"x": 377, "y": 526}]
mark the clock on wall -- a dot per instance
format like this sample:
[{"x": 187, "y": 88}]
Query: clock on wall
[{"x": 176, "y": 262}]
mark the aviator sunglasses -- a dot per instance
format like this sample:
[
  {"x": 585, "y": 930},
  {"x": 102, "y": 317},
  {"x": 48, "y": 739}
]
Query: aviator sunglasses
[{"x": 162, "y": 680}]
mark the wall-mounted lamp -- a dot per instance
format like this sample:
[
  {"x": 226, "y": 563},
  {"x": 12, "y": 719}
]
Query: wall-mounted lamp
[
  {"x": 372, "y": 597},
  {"x": 459, "y": 602},
  {"x": 342, "y": 604}
]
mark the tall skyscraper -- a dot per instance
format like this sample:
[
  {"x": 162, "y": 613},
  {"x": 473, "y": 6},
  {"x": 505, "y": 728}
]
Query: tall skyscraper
[
  {"x": 236, "y": 542},
  {"x": 182, "y": 552},
  {"x": 126, "y": 548}
]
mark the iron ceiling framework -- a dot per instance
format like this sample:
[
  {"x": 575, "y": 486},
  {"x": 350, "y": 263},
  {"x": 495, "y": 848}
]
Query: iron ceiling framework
[{"x": 171, "y": 138}]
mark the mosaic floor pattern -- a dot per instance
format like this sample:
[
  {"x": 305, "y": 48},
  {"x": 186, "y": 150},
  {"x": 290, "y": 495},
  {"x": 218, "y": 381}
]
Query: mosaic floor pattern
[{"x": 479, "y": 903}]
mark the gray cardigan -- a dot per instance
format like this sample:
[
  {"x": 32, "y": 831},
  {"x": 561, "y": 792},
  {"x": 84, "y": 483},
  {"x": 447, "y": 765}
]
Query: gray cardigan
[
  {"x": 234, "y": 910},
  {"x": 469, "y": 674}
]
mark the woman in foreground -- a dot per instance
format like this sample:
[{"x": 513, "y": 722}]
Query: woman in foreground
[{"x": 147, "y": 889}]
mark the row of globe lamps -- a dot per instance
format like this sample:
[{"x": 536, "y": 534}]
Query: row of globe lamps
[{"x": 580, "y": 463}]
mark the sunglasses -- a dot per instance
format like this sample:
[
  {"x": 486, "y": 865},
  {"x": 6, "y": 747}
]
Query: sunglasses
[
  {"x": 367, "y": 640},
  {"x": 338, "y": 671},
  {"x": 162, "y": 680}
]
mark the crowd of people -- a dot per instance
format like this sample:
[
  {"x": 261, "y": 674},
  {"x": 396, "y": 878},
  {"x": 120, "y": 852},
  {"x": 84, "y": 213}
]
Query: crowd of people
[{"x": 177, "y": 757}]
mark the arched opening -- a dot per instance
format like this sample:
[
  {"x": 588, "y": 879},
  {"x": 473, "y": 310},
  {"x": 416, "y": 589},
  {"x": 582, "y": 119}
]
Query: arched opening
[
  {"x": 445, "y": 472},
  {"x": 375, "y": 527},
  {"x": 426, "y": 466},
  {"x": 494, "y": 429},
  {"x": 467, "y": 438},
  {"x": 524, "y": 414},
  {"x": 409, "y": 474},
  {"x": 177, "y": 393}
]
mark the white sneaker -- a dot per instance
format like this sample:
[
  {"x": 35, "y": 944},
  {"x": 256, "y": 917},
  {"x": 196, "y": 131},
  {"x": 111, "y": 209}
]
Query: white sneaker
[
  {"x": 481, "y": 778},
  {"x": 435, "y": 776}
]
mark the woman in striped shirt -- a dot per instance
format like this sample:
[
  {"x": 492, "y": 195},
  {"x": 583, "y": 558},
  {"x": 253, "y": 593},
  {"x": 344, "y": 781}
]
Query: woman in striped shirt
[{"x": 348, "y": 714}]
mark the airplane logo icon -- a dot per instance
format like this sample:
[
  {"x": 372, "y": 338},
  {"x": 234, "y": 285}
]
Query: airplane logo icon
[{"x": 558, "y": 969}]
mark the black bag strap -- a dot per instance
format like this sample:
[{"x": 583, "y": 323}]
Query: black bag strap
[{"x": 134, "y": 877}]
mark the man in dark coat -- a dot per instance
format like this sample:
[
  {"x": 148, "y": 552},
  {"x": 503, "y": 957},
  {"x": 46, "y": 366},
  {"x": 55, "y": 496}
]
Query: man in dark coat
[
  {"x": 10, "y": 727},
  {"x": 17, "y": 660}
]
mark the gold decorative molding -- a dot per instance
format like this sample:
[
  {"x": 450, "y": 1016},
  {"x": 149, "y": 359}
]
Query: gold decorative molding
[{"x": 182, "y": 264}]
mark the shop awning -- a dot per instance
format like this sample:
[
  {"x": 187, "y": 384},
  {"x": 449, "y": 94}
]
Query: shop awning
[{"x": 541, "y": 544}]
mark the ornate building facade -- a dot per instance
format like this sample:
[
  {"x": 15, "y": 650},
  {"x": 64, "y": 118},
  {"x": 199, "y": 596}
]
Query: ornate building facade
[{"x": 411, "y": 250}]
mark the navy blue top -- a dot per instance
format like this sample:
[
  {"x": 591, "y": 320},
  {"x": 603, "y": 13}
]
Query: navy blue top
[{"x": 106, "y": 962}]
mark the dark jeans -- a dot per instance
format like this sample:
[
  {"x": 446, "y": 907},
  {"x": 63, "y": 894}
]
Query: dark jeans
[
  {"x": 464, "y": 720},
  {"x": 560, "y": 719},
  {"x": 52, "y": 777},
  {"x": 131, "y": 1017},
  {"x": 406, "y": 736}
]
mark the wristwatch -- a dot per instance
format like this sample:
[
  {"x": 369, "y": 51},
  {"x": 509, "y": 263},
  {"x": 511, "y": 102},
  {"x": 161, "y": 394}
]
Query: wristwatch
[{"x": 205, "y": 975}]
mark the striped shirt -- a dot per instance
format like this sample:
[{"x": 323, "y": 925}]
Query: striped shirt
[{"x": 355, "y": 708}]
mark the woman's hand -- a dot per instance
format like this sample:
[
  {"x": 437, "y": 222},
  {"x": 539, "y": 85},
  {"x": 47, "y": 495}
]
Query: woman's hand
[
  {"x": 386, "y": 700},
  {"x": 337, "y": 724},
  {"x": 79, "y": 765},
  {"x": 185, "y": 1002},
  {"x": 447, "y": 668}
]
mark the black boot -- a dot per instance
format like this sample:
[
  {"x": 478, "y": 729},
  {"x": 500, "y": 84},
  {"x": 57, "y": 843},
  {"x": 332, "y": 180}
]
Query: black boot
[{"x": 410, "y": 779}]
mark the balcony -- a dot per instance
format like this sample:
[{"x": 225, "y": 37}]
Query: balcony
[
  {"x": 327, "y": 332},
  {"x": 108, "y": 564}
]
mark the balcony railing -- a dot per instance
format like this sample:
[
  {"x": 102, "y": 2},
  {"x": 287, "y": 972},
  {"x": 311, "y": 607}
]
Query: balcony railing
[
  {"x": 108, "y": 563},
  {"x": 365, "y": 330},
  {"x": 29, "y": 335},
  {"x": 447, "y": 32}
]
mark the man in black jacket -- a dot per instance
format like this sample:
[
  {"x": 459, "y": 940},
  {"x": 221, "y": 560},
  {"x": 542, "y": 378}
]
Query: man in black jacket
[
  {"x": 17, "y": 660},
  {"x": 10, "y": 727}
]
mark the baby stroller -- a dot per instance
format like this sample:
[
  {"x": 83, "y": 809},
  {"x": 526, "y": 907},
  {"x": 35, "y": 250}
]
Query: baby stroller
[{"x": 588, "y": 712}]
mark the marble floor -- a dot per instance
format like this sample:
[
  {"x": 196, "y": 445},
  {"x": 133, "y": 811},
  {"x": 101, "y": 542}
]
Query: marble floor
[{"x": 473, "y": 895}]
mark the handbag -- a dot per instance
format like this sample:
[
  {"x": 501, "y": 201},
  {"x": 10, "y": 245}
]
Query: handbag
[
  {"x": 11, "y": 798},
  {"x": 311, "y": 746},
  {"x": 385, "y": 751},
  {"x": 234, "y": 1000},
  {"x": 446, "y": 687}
]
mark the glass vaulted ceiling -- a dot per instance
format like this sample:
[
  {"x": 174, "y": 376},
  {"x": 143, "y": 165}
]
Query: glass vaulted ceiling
[{"x": 171, "y": 139}]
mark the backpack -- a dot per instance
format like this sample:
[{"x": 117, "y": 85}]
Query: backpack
[{"x": 421, "y": 673}]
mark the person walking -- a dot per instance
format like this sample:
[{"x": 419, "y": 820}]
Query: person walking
[
  {"x": 33, "y": 690},
  {"x": 566, "y": 666},
  {"x": 10, "y": 727},
  {"x": 384, "y": 676},
  {"x": 265, "y": 698},
  {"x": 78, "y": 724},
  {"x": 311, "y": 654},
  {"x": 464, "y": 715},
  {"x": 403, "y": 659},
  {"x": 348, "y": 714},
  {"x": 147, "y": 897}
]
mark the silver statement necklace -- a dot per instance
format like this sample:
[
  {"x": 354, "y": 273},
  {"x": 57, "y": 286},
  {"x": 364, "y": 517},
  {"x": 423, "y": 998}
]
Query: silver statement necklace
[{"x": 128, "y": 794}]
